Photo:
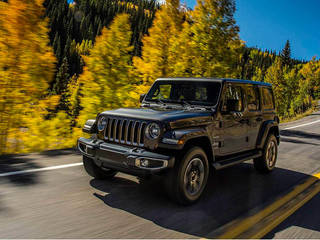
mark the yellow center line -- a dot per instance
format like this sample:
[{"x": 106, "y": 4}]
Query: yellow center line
[
  {"x": 287, "y": 210},
  {"x": 234, "y": 228},
  {"x": 317, "y": 175}
]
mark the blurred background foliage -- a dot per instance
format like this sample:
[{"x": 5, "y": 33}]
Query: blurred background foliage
[{"x": 62, "y": 63}]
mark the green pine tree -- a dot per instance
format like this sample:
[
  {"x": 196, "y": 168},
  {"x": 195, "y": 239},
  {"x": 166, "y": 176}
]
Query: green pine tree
[
  {"x": 286, "y": 54},
  {"x": 62, "y": 78}
]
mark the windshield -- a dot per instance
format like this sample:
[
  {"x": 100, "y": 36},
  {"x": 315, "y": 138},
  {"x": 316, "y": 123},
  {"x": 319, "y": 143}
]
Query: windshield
[{"x": 197, "y": 93}]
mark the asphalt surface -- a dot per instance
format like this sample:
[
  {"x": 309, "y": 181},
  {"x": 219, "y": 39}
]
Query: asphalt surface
[{"x": 67, "y": 203}]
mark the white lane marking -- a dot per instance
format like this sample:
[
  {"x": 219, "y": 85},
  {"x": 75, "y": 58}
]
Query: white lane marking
[
  {"x": 40, "y": 169},
  {"x": 302, "y": 125}
]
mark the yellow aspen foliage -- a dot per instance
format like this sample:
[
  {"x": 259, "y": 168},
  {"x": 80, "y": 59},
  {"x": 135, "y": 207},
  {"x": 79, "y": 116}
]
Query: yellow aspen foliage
[
  {"x": 310, "y": 73},
  {"x": 275, "y": 76},
  {"x": 54, "y": 133},
  {"x": 216, "y": 39},
  {"x": 73, "y": 97},
  {"x": 182, "y": 53},
  {"x": 258, "y": 75},
  {"x": 154, "y": 61},
  {"x": 106, "y": 82},
  {"x": 27, "y": 65},
  {"x": 84, "y": 47}
]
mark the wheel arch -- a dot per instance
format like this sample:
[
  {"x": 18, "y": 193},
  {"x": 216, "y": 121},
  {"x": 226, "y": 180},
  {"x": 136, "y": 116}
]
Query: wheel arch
[
  {"x": 276, "y": 132},
  {"x": 204, "y": 143},
  {"x": 267, "y": 128}
]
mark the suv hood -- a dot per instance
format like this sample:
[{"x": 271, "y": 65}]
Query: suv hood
[{"x": 158, "y": 114}]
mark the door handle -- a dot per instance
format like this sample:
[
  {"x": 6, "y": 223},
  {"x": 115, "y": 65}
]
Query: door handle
[{"x": 244, "y": 121}]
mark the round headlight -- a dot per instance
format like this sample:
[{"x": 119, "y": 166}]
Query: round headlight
[
  {"x": 102, "y": 122},
  {"x": 153, "y": 130}
]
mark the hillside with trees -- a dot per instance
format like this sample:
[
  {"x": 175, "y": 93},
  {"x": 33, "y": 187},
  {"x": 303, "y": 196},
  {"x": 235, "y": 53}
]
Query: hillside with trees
[
  {"x": 63, "y": 63},
  {"x": 78, "y": 24}
]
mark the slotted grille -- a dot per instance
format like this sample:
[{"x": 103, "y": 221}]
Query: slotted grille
[{"x": 125, "y": 131}]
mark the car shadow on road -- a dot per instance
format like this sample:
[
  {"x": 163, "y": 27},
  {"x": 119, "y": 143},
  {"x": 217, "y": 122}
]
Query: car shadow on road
[
  {"x": 14, "y": 163},
  {"x": 59, "y": 152},
  {"x": 299, "y": 134},
  {"x": 22, "y": 162},
  {"x": 292, "y": 140},
  {"x": 230, "y": 193}
]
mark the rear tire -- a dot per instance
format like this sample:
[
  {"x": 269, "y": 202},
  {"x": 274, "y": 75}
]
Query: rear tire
[
  {"x": 187, "y": 180},
  {"x": 94, "y": 171},
  {"x": 267, "y": 162}
]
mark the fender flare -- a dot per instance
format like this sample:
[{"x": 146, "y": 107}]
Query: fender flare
[
  {"x": 264, "y": 131},
  {"x": 187, "y": 135}
]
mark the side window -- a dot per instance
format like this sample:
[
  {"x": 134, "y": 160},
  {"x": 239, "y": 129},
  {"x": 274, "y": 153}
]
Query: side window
[
  {"x": 253, "y": 98},
  {"x": 233, "y": 99},
  {"x": 267, "y": 98}
]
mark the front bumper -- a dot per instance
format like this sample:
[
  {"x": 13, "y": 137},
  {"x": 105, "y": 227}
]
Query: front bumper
[{"x": 132, "y": 160}]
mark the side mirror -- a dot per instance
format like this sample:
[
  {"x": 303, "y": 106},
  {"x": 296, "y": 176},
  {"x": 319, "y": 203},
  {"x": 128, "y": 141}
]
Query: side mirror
[
  {"x": 90, "y": 126},
  {"x": 142, "y": 96}
]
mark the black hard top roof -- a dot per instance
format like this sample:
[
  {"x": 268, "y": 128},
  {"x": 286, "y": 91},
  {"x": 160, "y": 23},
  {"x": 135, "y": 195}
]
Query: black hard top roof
[{"x": 215, "y": 80}]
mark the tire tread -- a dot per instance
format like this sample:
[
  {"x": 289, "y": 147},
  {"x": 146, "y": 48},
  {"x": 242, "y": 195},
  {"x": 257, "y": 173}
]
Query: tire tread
[{"x": 260, "y": 163}]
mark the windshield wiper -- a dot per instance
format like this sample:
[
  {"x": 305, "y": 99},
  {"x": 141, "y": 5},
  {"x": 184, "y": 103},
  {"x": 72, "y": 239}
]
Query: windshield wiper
[
  {"x": 158, "y": 100},
  {"x": 186, "y": 103},
  {"x": 155, "y": 102},
  {"x": 189, "y": 105}
]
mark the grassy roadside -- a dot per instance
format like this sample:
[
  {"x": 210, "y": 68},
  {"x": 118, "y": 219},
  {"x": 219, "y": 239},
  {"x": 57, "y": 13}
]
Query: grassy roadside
[{"x": 302, "y": 115}]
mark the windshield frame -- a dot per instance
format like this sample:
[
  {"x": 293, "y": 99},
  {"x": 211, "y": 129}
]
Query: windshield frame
[{"x": 192, "y": 103}]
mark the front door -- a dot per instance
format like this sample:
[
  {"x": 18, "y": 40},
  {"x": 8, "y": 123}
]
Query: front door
[
  {"x": 254, "y": 114},
  {"x": 234, "y": 123}
]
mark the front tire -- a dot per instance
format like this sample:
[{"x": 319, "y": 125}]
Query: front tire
[
  {"x": 267, "y": 162},
  {"x": 94, "y": 171},
  {"x": 187, "y": 180}
]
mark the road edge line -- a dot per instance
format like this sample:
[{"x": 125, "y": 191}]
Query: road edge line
[
  {"x": 301, "y": 125},
  {"x": 7, "y": 174}
]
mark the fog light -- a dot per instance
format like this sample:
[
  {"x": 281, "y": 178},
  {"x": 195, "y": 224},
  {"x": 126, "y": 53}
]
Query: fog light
[{"x": 144, "y": 163}]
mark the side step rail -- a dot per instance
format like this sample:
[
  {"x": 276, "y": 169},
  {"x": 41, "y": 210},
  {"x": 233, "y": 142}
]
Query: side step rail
[{"x": 236, "y": 159}]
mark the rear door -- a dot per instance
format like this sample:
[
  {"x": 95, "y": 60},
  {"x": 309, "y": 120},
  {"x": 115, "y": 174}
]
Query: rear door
[{"x": 268, "y": 105}]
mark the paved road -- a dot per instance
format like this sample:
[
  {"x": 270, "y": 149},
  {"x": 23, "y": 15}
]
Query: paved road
[
  {"x": 67, "y": 203},
  {"x": 305, "y": 223}
]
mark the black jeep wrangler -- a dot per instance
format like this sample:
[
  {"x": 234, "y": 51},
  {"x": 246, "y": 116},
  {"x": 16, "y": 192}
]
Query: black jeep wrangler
[{"x": 185, "y": 128}]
